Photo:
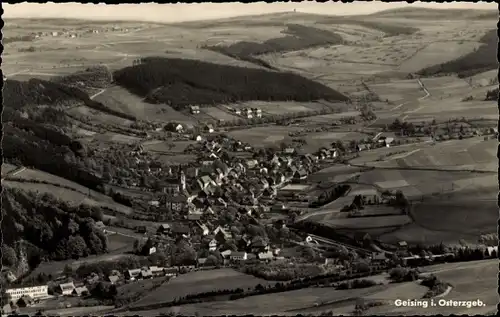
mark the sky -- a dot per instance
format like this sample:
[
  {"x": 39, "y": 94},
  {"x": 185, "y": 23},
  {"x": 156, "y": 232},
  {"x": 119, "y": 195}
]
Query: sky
[{"x": 167, "y": 13}]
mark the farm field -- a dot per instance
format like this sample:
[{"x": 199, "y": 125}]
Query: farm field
[
  {"x": 199, "y": 282},
  {"x": 160, "y": 146},
  {"x": 280, "y": 108},
  {"x": 368, "y": 222},
  {"x": 468, "y": 154},
  {"x": 279, "y": 303},
  {"x": 436, "y": 53},
  {"x": 120, "y": 242},
  {"x": 119, "y": 99},
  {"x": 264, "y": 136},
  {"x": 470, "y": 281},
  {"x": 398, "y": 91},
  {"x": 78, "y": 195},
  {"x": 217, "y": 114},
  {"x": 7, "y": 168},
  {"x": 98, "y": 116}
]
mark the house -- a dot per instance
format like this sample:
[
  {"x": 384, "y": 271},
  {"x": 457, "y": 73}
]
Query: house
[
  {"x": 203, "y": 228},
  {"x": 113, "y": 279},
  {"x": 402, "y": 245},
  {"x": 238, "y": 256},
  {"x": 195, "y": 109},
  {"x": 171, "y": 271},
  {"x": 176, "y": 202},
  {"x": 146, "y": 273},
  {"x": 194, "y": 214},
  {"x": 289, "y": 151},
  {"x": 212, "y": 245},
  {"x": 198, "y": 138},
  {"x": 258, "y": 112},
  {"x": 265, "y": 256},
  {"x": 388, "y": 141},
  {"x": 92, "y": 279},
  {"x": 252, "y": 163},
  {"x": 154, "y": 203},
  {"x": 226, "y": 253},
  {"x": 100, "y": 225},
  {"x": 201, "y": 261},
  {"x": 133, "y": 274},
  {"x": 209, "y": 128},
  {"x": 379, "y": 258},
  {"x": 361, "y": 147},
  {"x": 309, "y": 239},
  {"x": 258, "y": 244},
  {"x": 222, "y": 235},
  {"x": 40, "y": 291},
  {"x": 300, "y": 174},
  {"x": 66, "y": 288},
  {"x": 25, "y": 301},
  {"x": 80, "y": 291},
  {"x": 6, "y": 309},
  {"x": 55, "y": 33},
  {"x": 205, "y": 181},
  {"x": 164, "y": 229},
  {"x": 157, "y": 271}
]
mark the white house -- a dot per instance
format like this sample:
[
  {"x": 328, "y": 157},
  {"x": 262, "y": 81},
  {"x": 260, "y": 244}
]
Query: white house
[
  {"x": 212, "y": 245},
  {"x": 309, "y": 239},
  {"x": 67, "y": 288},
  {"x": 225, "y": 254},
  {"x": 199, "y": 138},
  {"x": 265, "y": 256},
  {"x": 238, "y": 256},
  {"x": 34, "y": 292},
  {"x": 179, "y": 128}
]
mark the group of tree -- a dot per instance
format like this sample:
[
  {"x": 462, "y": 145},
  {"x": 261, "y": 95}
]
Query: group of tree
[
  {"x": 297, "y": 37},
  {"x": 182, "y": 83},
  {"x": 492, "y": 94},
  {"x": 96, "y": 77},
  {"x": 329, "y": 196},
  {"x": 48, "y": 229}
]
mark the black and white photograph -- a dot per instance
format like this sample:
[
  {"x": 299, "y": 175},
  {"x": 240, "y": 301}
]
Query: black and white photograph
[{"x": 281, "y": 158}]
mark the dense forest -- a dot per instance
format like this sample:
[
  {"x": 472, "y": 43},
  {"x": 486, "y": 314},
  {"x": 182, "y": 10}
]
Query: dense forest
[
  {"x": 182, "y": 82},
  {"x": 298, "y": 37},
  {"x": 481, "y": 60},
  {"x": 95, "y": 77},
  {"x": 39, "y": 228}
]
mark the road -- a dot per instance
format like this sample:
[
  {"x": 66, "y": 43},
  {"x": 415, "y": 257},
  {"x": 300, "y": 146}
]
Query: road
[{"x": 14, "y": 172}]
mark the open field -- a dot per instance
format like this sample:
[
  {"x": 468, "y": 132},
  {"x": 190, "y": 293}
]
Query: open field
[
  {"x": 279, "y": 108},
  {"x": 98, "y": 116},
  {"x": 7, "y": 168},
  {"x": 467, "y": 154},
  {"x": 199, "y": 282},
  {"x": 119, "y": 99},
  {"x": 436, "y": 53},
  {"x": 470, "y": 281},
  {"x": 264, "y": 136},
  {"x": 78, "y": 194},
  {"x": 159, "y": 146},
  {"x": 120, "y": 242}
]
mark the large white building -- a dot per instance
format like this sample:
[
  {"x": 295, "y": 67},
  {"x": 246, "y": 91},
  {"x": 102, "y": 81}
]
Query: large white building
[{"x": 34, "y": 292}]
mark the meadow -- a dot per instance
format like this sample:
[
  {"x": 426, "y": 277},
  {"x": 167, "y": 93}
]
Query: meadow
[{"x": 199, "y": 282}]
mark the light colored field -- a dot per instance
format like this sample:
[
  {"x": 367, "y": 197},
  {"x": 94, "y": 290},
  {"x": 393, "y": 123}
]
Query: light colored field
[
  {"x": 392, "y": 184},
  {"x": 264, "y": 136},
  {"x": 484, "y": 79},
  {"x": 119, "y": 242},
  {"x": 77, "y": 195},
  {"x": 470, "y": 281},
  {"x": 437, "y": 53},
  {"x": 115, "y": 137},
  {"x": 162, "y": 146},
  {"x": 98, "y": 116},
  {"x": 7, "y": 168},
  {"x": 119, "y": 99},
  {"x": 398, "y": 90},
  {"x": 199, "y": 282},
  {"x": 177, "y": 159},
  {"x": 297, "y": 187},
  {"x": 279, "y": 303},
  {"x": 218, "y": 114},
  {"x": 470, "y": 154},
  {"x": 369, "y": 222}
]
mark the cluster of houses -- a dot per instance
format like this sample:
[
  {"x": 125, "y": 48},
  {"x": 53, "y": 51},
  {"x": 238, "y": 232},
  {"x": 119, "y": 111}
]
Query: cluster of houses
[{"x": 248, "y": 113}]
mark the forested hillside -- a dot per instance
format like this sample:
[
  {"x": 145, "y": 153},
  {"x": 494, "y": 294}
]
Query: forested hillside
[
  {"x": 47, "y": 229},
  {"x": 481, "y": 60},
  {"x": 181, "y": 83}
]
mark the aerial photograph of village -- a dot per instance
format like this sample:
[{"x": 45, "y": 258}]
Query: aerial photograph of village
[{"x": 301, "y": 158}]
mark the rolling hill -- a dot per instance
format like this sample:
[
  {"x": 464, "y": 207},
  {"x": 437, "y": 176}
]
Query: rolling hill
[
  {"x": 481, "y": 60},
  {"x": 181, "y": 83}
]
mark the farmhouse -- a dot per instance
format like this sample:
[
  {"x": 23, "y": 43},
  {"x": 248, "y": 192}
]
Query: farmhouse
[
  {"x": 238, "y": 256},
  {"x": 80, "y": 291},
  {"x": 66, "y": 288},
  {"x": 113, "y": 279},
  {"x": 132, "y": 274},
  {"x": 209, "y": 128},
  {"x": 265, "y": 256},
  {"x": 164, "y": 228},
  {"x": 34, "y": 291},
  {"x": 212, "y": 245},
  {"x": 195, "y": 109}
]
